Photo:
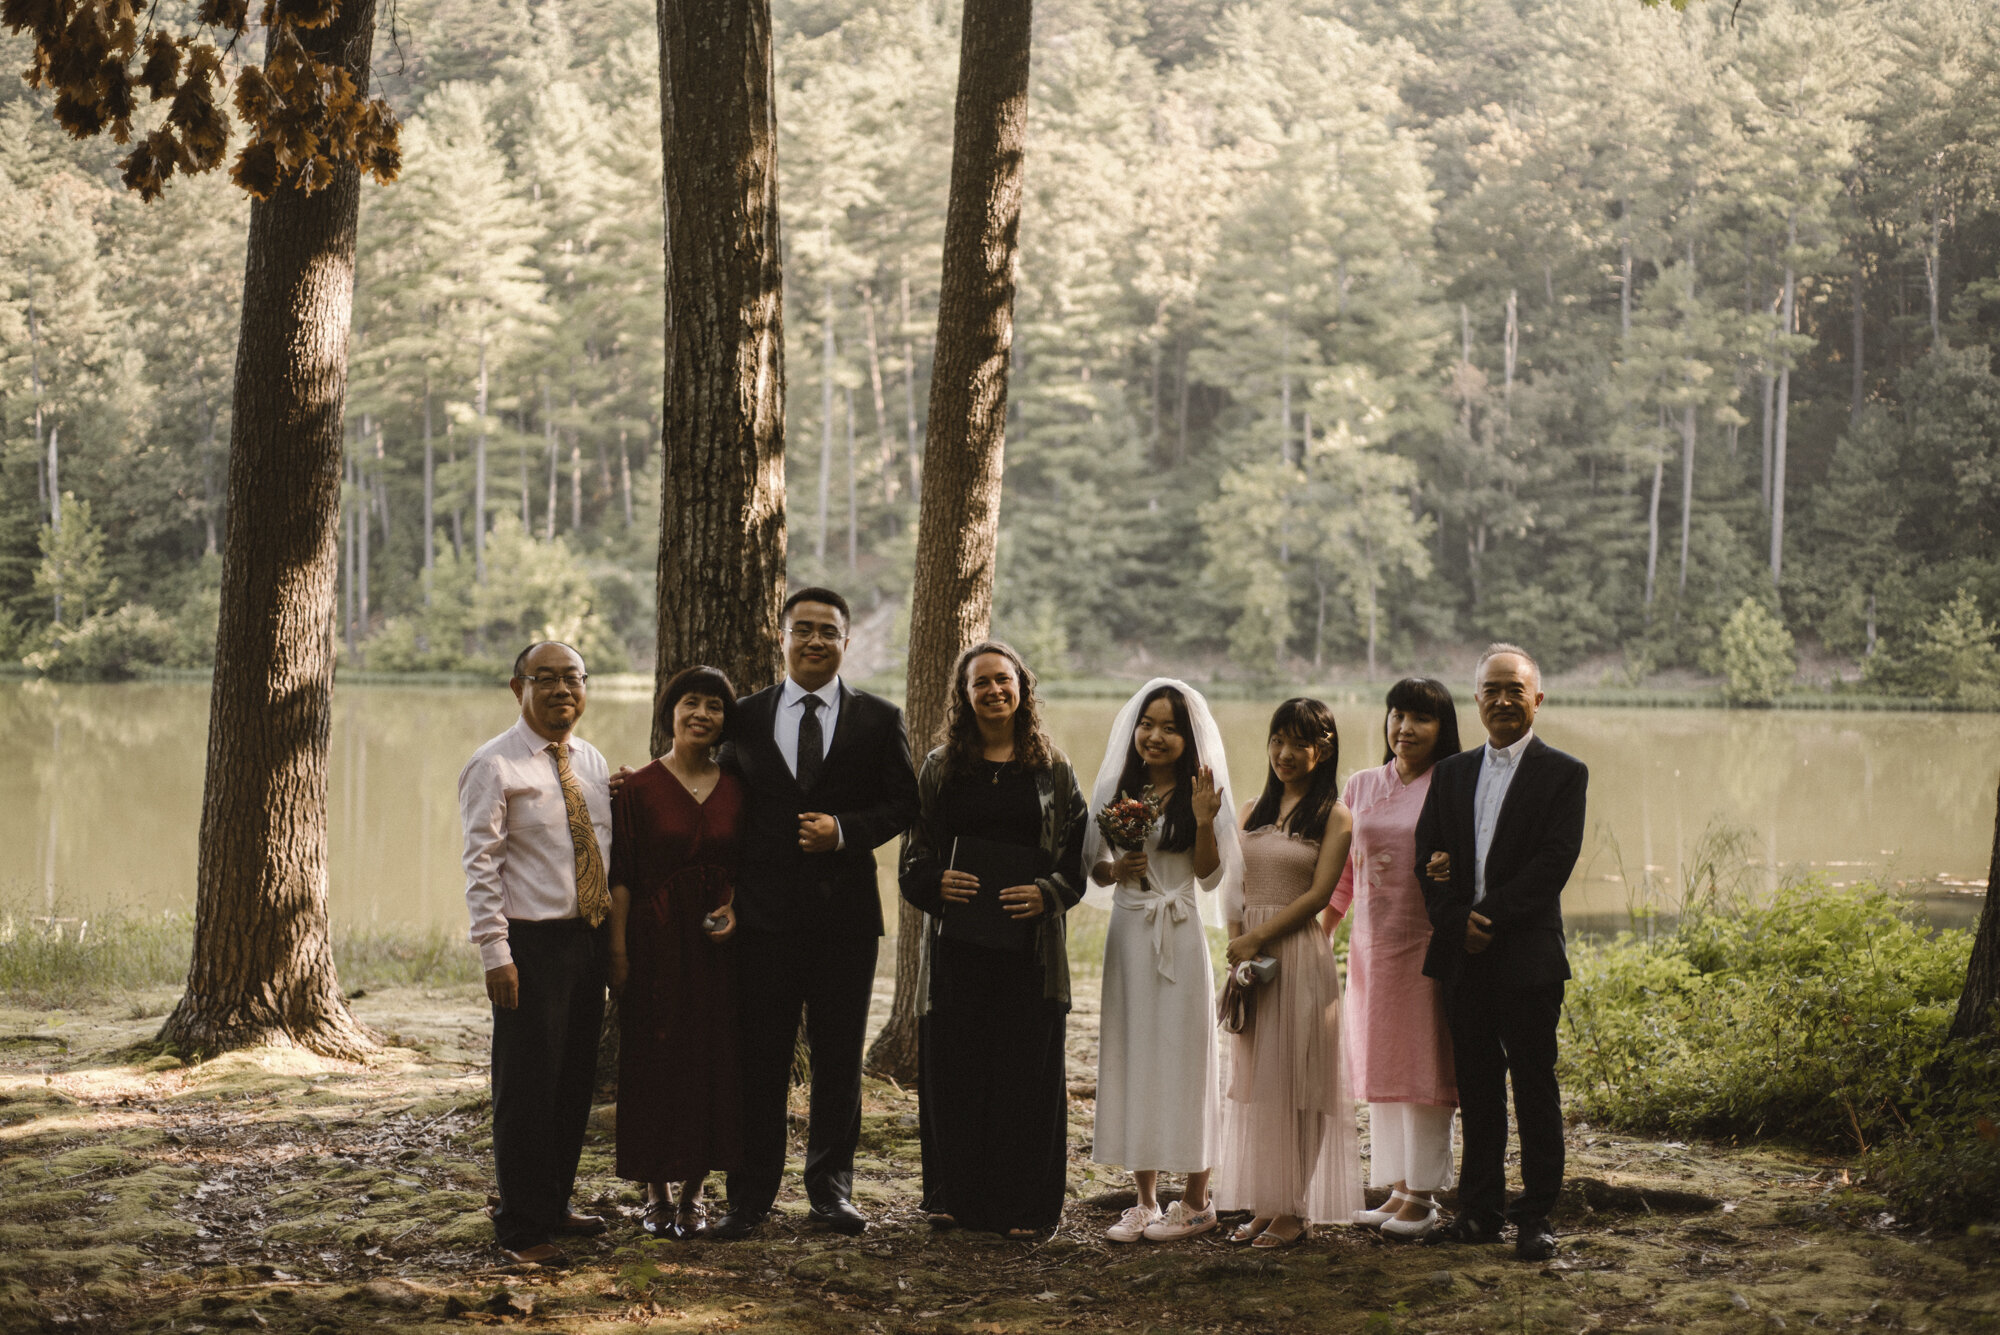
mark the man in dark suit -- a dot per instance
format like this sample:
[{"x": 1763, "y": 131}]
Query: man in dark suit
[
  {"x": 827, "y": 780},
  {"x": 1498, "y": 837}
]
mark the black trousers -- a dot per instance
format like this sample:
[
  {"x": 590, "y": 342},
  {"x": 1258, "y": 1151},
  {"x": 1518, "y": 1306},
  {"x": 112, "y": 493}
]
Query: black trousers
[
  {"x": 544, "y": 1066},
  {"x": 831, "y": 978},
  {"x": 1497, "y": 1032}
]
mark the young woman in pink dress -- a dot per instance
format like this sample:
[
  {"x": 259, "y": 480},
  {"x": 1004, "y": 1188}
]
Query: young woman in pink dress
[
  {"x": 1398, "y": 1048},
  {"x": 1289, "y": 1149}
]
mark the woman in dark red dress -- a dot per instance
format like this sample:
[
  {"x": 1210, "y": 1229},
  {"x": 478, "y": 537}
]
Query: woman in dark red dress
[{"x": 673, "y": 865}]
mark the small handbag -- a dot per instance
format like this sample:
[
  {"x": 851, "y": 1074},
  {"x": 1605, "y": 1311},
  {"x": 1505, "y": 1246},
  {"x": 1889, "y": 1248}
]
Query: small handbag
[{"x": 1237, "y": 1007}]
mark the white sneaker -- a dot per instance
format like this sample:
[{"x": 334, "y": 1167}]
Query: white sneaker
[
  {"x": 1133, "y": 1225},
  {"x": 1181, "y": 1222}
]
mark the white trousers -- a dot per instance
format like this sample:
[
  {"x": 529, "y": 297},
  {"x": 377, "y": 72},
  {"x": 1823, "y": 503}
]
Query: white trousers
[{"x": 1410, "y": 1143}]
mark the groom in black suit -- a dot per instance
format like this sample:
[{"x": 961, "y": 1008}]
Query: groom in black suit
[
  {"x": 827, "y": 779},
  {"x": 1498, "y": 837}
]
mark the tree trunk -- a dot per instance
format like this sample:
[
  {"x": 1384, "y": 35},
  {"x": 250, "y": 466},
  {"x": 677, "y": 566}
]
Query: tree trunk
[
  {"x": 881, "y": 399},
  {"x": 1687, "y": 485},
  {"x": 959, "y": 516},
  {"x": 262, "y": 968},
  {"x": 555, "y": 451},
  {"x": 826, "y": 355},
  {"x": 1858, "y": 391},
  {"x": 1787, "y": 320},
  {"x": 479, "y": 475},
  {"x": 853, "y": 504},
  {"x": 430, "y": 497},
  {"x": 1982, "y": 972},
  {"x": 722, "y": 491}
]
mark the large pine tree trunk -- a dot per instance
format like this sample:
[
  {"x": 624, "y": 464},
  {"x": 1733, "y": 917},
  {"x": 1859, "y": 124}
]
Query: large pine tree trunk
[
  {"x": 262, "y": 970},
  {"x": 959, "y": 516},
  {"x": 1982, "y": 974},
  {"x": 722, "y": 492}
]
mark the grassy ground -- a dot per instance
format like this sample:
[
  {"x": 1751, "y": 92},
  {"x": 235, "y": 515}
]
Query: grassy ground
[{"x": 272, "y": 1190}]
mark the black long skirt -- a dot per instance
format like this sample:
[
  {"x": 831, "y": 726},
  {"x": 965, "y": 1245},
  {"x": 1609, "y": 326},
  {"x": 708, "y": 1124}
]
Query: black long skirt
[{"x": 994, "y": 1112}]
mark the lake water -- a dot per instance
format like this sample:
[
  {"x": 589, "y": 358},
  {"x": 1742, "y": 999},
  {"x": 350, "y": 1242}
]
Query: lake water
[{"x": 103, "y": 805}]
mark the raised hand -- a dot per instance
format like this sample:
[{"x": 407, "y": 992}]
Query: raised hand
[{"x": 1206, "y": 796}]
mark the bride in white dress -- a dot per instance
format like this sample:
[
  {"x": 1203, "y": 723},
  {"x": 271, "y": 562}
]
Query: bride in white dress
[{"x": 1158, "y": 1082}]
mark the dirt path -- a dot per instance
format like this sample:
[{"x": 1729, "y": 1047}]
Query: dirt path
[{"x": 272, "y": 1190}]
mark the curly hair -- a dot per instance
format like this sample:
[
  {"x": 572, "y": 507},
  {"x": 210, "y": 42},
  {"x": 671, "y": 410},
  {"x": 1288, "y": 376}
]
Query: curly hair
[{"x": 959, "y": 734}]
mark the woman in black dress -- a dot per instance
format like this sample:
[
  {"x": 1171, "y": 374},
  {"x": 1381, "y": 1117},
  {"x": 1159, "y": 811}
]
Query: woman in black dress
[
  {"x": 995, "y": 1110},
  {"x": 673, "y": 866}
]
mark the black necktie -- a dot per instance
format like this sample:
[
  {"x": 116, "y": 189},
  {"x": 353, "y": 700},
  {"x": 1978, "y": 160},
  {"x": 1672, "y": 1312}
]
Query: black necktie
[{"x": 812, "y": 746}]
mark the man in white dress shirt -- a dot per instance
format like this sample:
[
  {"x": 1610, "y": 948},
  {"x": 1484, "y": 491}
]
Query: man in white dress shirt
[
  {"x": 827, "y": 780},
  {"x": 537, "y": 816},
  {"x": 1500, "y": 832}
]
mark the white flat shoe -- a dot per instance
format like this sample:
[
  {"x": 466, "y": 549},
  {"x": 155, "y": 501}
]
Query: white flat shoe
[
  {"x": 1377, "y": 1218},
  {"x": 1410, "y": 1230}
]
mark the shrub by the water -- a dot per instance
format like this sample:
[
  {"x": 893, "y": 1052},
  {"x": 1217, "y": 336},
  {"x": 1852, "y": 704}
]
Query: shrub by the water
[{"x": 1810, "y": 1018}]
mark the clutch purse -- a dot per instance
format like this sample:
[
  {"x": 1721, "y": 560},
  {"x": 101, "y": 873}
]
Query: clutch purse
[{"x": 1237, "y": 1007}]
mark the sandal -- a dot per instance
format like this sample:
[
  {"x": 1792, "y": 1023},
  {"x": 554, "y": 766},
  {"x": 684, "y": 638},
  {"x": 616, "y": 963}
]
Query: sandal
[
  {"x": 1267, "y": 1240},
  {"x": 1390, "y": 1209},
  {"x": 1245, "y": 1233},
  {"x": 657, "y": 1221}
]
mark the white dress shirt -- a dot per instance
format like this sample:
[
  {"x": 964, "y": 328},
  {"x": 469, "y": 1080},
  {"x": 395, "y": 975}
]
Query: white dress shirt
[
  {"x": 791, "y": 712},
  {"x": 1496, "y": 776},
  {"x": 519, "y": 859},
  {"x": 785, "y": 729}
]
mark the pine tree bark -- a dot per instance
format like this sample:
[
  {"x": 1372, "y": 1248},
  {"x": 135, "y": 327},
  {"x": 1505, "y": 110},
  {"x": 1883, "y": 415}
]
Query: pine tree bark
[
  {"x": 959, "y": 515},
  {"x": 722, "y": 493},
  {"x": 1977, "y": 1003},
  {"x": 262, "y": 970}
]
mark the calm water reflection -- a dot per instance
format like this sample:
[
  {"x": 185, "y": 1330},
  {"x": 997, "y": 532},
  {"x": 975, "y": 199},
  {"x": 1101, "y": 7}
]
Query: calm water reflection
[{"x": 105, "y": 808}]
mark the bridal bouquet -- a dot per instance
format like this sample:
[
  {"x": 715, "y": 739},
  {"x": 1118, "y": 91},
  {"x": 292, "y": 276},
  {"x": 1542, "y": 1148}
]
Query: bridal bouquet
[{"x": 1126, "y": 821}]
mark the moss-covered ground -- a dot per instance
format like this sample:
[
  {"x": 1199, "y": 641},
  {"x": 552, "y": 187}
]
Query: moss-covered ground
[{"x": 270, "y": 1190}]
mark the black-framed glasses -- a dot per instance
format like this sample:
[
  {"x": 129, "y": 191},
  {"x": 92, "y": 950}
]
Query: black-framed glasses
[
  {"x": 570, "y": 680},
  {"x": 806, "y": 633}
]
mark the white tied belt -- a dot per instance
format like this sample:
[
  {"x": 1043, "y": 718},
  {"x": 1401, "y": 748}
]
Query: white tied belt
[{"x": 1164, "y": 910}]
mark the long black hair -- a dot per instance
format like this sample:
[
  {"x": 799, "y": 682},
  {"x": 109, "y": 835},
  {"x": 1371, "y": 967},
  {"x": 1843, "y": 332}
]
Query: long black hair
[
  {"x": 1429, "y": 698},
  {"x": 1309, "y": 723},
  {"x": 1177, "y": 821}
]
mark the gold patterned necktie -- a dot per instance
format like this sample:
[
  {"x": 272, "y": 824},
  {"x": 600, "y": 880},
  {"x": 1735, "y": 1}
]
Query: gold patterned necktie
[{"x": 593, "y": 900}]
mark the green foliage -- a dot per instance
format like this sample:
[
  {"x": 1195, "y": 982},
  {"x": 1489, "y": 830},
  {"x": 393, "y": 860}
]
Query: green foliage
[
  {"x": 1804, "y": 1018},
  {"x": 1754, "y": 655},
  {"x": 1945, "y": 1169},
  {"x": 72, "y": 574},
  {"x": 534, "y": 590},
  {"x": 1954, "y": 658},
  {"x": 109, "y": 645},
  {"x": 1338, "y": 325}
]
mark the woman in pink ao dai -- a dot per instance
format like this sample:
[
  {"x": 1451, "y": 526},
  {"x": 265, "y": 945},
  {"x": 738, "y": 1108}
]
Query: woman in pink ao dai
[{"x": 1398, "y": 1046}]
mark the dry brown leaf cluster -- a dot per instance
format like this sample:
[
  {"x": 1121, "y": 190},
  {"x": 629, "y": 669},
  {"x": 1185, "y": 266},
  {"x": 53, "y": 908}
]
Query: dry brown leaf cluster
[{"x": 306, "y": 117}]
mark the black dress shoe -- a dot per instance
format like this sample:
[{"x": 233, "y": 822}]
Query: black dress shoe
[
  {"x": 1464, "y": 1229},
  {"x": 736, "y": 1224},
  {"x": 840, "y": 1216},
  {"x": 1533, "y": 1240}
]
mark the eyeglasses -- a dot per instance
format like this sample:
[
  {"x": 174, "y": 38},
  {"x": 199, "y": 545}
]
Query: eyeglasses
[
  {"x": 807, "y": 634},
  {"x": 571, "y": 680}
]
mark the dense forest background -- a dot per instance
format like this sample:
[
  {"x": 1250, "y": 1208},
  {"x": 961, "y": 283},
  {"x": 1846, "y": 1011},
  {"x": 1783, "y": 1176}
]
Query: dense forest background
[{"x": 1349, "y": 331}]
